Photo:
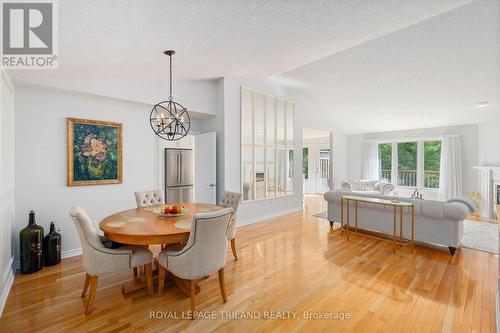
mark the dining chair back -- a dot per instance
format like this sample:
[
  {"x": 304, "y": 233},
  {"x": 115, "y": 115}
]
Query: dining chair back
[
  {"x": 149, "y": 198},
  {"x": 231, "y": 199}
]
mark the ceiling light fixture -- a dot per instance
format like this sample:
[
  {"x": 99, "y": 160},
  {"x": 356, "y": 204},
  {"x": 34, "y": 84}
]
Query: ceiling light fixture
[
  {"x": 168, "y": 119},
  {"x": 482, "y": 104}
]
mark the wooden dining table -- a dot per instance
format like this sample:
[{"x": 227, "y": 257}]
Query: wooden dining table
[{"x": 145, "y": 226}]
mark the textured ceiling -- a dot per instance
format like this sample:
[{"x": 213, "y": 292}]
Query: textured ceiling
[
  {"x": 370, "y": 65},
  {"x": 125, "y": 39},
  {"x": 428, "y": 75}
]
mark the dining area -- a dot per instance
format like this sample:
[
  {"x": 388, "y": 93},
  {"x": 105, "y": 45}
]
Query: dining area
[{"x": 159, "y": 249}]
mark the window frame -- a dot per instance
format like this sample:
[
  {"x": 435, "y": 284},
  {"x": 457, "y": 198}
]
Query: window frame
[
  {"x": 286, "y": 146},
  {"x": 420, "y": 172}
]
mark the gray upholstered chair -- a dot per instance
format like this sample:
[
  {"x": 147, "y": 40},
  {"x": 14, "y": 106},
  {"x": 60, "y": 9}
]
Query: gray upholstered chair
[
  {"x": 145, "y": 199},
  {"x": 99, "y": 260},
  {"x": 204, "y": 253},
  {"x": 231, "y": 199},
  {"x": 149, "y": 198}
]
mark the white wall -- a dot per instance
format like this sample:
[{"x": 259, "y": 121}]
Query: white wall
[
  {"x": 40, "y": 134},
  {"x": 196, "y": 95},
  {"x": 489, "y": 142},
  {"x": 7, "y": 186},
  {"x": 216, "y": 124},
  {"x": 469, "y": 140}
]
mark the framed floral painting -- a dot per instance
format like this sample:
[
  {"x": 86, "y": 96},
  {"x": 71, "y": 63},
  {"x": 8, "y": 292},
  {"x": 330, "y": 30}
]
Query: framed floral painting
[{"x": 94, "y": 152}]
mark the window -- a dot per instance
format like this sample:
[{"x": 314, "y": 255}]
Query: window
[
  {"x": 411, "y": 164},
  {"x": 407, "y": 164},
  {"x": 305, "y": 162},
  {"x": 385, "y": 155},
  {"x": 266, "y": 145},
  {"x": 432, "y": 163}
]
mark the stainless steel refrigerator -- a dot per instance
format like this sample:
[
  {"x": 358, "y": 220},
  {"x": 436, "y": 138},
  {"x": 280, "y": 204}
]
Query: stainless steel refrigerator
[{"x": 179, "y": 175}]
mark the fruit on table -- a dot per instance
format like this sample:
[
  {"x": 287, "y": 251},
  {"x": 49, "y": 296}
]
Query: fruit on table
[{"x": 174, "y": 210}]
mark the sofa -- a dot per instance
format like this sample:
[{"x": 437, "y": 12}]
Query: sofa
[
  {"x": 436, "y": 222},
  {"x": 378, "y": 187}
]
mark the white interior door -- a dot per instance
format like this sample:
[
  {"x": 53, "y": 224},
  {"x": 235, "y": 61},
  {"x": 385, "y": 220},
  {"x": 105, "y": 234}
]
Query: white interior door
[
  {"x": 205, "y": 168},
  {"x": 323, "y": 171}
]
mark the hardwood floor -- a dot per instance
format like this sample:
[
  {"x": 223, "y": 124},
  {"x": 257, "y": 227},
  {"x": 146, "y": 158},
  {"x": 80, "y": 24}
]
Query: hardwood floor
[{"x": 292, "y": 263}]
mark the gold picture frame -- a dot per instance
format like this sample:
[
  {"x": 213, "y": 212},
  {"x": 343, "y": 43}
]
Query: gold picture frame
[{"x": 94, "y": 152}]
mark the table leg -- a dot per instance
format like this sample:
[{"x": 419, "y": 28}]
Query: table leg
[
  {"x": 394, "y": 238},
  {"x": 412, "y": 227},
  {"x": 356, "y": 210},
  {"x": 401, "y": 223},
  {"x": 341, "y": 214},
  {"x": 347, "y": 202},
  {"x": 138, "y": 283}
]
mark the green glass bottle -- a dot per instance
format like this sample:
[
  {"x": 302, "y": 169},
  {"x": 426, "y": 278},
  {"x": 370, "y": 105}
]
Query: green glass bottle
[
  {"x": 52, "y": 247},
  {"x": 30, "y": 241}
]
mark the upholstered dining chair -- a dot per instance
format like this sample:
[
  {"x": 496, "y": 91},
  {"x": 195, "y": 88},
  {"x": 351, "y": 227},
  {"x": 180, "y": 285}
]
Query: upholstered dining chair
[
  {"x": 203, "y": 254},
  {"x": 149, "y": 198},
  {"x": 231, "y": 199},
  {"x": 145, "y": 199},
  {"x": 99, "y": 260}
]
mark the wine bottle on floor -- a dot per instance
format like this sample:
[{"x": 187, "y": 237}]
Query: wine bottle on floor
[
  {"x": 30, "y": 241},
  {"x": 52, "y": 247}
]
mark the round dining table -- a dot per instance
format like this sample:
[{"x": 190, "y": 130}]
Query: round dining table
[{"x": 145, "y": 226}]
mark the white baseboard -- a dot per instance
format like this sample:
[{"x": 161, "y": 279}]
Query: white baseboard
[
  {"x": 71, "y": 253},
  {"x": 8, "y": 284},
  {"x": 64, "y": 254},
  {"x": 262, "y": 218}
]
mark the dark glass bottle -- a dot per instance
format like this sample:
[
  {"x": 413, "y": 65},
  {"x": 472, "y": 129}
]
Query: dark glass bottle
[
  {"x": 52, "y": 247},
  {"x": 30, "y": 241}
]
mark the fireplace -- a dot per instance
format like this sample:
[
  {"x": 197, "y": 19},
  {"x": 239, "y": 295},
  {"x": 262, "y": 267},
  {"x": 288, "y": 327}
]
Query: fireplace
[{"x": 489, "y": 185}]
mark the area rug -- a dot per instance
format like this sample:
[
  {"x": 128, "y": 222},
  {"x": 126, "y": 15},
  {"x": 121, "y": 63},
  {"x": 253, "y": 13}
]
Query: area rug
[
  {"x": 323, "y": 215},
  {"x": 480, "y": 236}
]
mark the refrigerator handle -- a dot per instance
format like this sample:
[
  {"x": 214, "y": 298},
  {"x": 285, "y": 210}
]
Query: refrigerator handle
[
  {"x": 181, "y": 170},
  {"x": 178, "y": 168}
]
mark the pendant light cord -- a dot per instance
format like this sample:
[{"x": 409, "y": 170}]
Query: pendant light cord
[{"x": 170, "y": 98}]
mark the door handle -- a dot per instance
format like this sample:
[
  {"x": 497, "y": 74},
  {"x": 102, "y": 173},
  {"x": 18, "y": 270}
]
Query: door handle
[{"x": 212, "y": 185}]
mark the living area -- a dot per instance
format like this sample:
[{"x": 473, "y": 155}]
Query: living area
[{"x": 435, "y": 169}]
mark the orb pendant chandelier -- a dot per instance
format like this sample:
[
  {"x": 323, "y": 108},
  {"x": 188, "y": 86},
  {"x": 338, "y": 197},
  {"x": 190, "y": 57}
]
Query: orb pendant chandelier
[{"x": 170, "y": 120}]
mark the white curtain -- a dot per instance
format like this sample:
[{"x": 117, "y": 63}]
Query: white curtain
[
  {"x": 450, "y": 175},
  {"x": 371, "y": 165}
]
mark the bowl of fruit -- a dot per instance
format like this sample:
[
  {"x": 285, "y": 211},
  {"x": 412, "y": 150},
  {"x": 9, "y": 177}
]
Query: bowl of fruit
[{"x": 173, "y": 211}]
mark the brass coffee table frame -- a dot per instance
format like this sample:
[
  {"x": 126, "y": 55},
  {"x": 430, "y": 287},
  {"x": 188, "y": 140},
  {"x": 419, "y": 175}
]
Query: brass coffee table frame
[{"x": 400, "y": 204}]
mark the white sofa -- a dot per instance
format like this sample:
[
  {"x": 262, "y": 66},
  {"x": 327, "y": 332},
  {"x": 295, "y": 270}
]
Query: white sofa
[
  {"x": 436, "y": 222},
  {"x": 367, "y": 186}
]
